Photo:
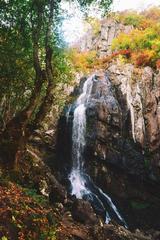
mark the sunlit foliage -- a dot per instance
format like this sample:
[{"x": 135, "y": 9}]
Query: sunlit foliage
[
  {"x": 82, "y": 61},
  {"x": 144, "y": 40},
  {"x": 95, "y": 24}
]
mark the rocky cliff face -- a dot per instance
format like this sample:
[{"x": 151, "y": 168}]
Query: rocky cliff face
[
  {"x": 122, "y": 150},
  {"x": 102, "y": 40},
  {"x": 141, "y": 94},
  {"x": 123, "y": 126},
  {"x": 124, "y": 110},
  {"x": 123, "y": 119}
]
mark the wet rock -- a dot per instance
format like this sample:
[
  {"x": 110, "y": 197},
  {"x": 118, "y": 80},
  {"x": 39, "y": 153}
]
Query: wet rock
[
  {"x": 58, "y": 194},
  {"x": 113, "y": 137},
  {"x": 140, "y": 91},
  {"x": 82, "y": 211},
  {"x": 115, "y": 232}
]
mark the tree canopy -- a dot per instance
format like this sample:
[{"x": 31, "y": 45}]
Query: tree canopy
[{"x": 32, "y": 62}]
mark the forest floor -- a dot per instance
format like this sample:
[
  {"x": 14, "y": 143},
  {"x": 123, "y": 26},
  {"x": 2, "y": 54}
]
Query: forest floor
[
  {"x": 24, "y": 214},
  {"x": 27, "y": 215}
]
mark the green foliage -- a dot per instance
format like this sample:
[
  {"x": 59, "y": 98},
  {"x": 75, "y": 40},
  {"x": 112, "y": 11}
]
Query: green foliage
[
  {"x": 139, "y": 205},
  {"x": 33, "y": 193},
  {"x": 95, "y": 24},
  {"x": 133, "y": 19},
  {"x": 103, "y": 4},
  {"x": 23, "y": 21},
  {"x": 17, "y": 73},
  {"x": 82, "y": 61},
  {"x": 139, "y": 20},
  {"x": 63, "y": 71},
  {"x": 18, "y": 76},
  {"x": 50, "y": 235},
  {"x": 143, "y": 41}
]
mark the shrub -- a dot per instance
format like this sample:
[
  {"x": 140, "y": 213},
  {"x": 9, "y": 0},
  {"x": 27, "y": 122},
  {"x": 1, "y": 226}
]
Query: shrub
[
  {"x": 140, "y": 20},
  {"x": 144, "y": 44},
  {"x": 158, "y": 64},
  {"x": 133, "y": 19},
  {"x": 142, "y": 58},
  {"x": 82, "y": 61},
  {"x": 95, "y": 24}
]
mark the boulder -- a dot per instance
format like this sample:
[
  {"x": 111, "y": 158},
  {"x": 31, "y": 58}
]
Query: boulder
[
  {"x": 58, "y": 193},
  {"x": 83, "y": 212}
]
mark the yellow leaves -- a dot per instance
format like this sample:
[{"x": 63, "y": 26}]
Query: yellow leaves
[
  {"x": 123, "y": 41},
  {"x": 82, "y": 61},
  {"x": 143, "y": 42},
  {"x": 140, "y": 20},
  {"x": 95, "y": 24},
  {"x": 122, "y": 59},
  {"x": 4, "y": 238},
  {"x": 156, "y": 45},
  {"x": 27, "y": 217},
  {"x": 13, "y": 218}
]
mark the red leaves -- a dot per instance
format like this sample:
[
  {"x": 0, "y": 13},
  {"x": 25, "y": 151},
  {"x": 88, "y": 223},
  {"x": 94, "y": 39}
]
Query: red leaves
[
  {"x": 125, "y": 52},
  {"x": 158, "y": 64},
  {"x": 21, "y": 217}
]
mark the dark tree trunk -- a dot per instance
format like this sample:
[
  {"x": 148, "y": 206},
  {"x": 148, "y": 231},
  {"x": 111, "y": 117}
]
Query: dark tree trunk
[
  {"x": 13, "y": 139},
  {"x": 15, "y": 135},
  {"x": 49, "y": 97}
]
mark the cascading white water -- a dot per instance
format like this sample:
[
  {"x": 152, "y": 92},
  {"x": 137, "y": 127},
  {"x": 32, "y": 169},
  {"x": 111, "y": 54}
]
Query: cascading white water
[
  {"x": 78, "y": 136},
  {"x": 78, "y": 181},
  {"x": 78, "y": 141}
]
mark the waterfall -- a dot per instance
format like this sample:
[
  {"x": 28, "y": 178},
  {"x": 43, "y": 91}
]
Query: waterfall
[
  {"x": 78, "y": 141},
  {"x": 81, "y": 184}
]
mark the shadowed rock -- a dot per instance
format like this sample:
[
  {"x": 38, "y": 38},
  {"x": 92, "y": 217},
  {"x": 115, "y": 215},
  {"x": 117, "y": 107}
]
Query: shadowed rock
[{"x": 82, "y": 211}]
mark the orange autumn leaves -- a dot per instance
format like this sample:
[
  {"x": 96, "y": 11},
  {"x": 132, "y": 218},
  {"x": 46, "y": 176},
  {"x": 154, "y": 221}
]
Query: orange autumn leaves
[
  {"x": 141, "y": 46},
  {"x": 21, "y": 217},
  {"x": 82, "y": 61},
  {"x": 143, "y": 41}
]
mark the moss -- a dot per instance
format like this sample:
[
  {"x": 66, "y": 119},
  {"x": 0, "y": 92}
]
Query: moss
[
  {"x": 37, "y": 197},
  {"x": 139, "y": 205}
]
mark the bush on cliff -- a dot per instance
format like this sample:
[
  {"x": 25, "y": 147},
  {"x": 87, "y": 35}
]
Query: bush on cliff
[{"x": 144, "y": 40}]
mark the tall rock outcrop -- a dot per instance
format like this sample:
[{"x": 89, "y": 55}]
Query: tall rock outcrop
[
  {"x": 102, "y": 40},
  {"x": 123, "y": 120},
  {"x": 124, "y": 109}
]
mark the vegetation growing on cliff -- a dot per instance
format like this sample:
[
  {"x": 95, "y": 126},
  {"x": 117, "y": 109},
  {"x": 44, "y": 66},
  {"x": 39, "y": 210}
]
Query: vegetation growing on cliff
[
  {"x": 143, "y": 42},
  {"x": 82, "y": 61},
  {"x": 140, "y": 46}
]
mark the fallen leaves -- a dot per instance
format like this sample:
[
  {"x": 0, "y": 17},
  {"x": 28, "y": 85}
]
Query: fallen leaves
[{"x": 22, "y": 217}]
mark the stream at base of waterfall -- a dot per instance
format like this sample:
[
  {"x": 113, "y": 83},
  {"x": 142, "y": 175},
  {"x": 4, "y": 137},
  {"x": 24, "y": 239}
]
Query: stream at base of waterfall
[{"x": 81, "y": 184}]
